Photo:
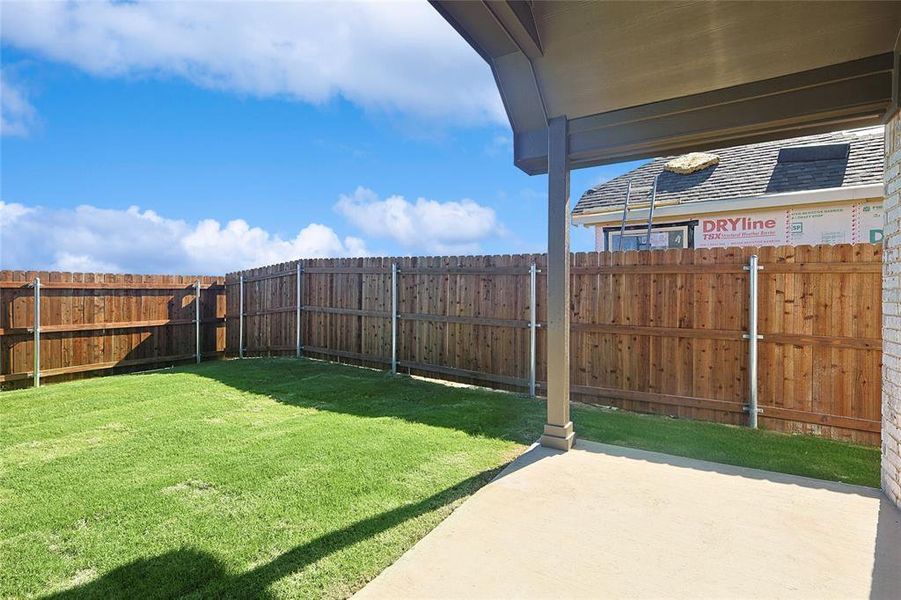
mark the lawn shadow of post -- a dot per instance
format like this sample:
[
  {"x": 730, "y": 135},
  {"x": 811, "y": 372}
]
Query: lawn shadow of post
[
  {"x": 176, "y": 573},
  {"x": 190, "y": 572}
]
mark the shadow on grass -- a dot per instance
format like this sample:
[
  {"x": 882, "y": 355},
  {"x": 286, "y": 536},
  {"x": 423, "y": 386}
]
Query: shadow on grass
[
  {"x": 174, "y": 574},
  {"x": 478, "y": 412},
  {"x": 189, "y": 572},
  {"x": 498, "y": 415},
  {"x": 367, "y": 393}
]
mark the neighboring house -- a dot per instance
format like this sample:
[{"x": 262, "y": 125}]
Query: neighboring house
[{"x": 819, "y": 189}]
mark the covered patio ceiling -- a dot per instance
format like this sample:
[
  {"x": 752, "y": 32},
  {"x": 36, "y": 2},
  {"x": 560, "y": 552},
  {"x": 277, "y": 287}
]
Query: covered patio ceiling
[{"x": 640, "y": 79}]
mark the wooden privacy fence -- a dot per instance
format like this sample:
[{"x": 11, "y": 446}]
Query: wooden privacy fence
[
  {"x": 662, "y": 332},
  {"x": 90, "y": 322},
  {"x": 666, "y": 332},
  {"x": 464, "y": 317}
]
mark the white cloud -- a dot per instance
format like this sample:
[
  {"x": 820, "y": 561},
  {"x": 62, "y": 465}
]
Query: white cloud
[
  {"x": 442, "y": 227},
  {"x": 238, "y": 243},
  {"x": 499, "y": 144},
  {"x": 88, "y": 238},
  {"x": 81, "y": 263},
  {"x": 398, "y": 57},
  {"x": 91, "y": 239},
  {"x": 11, "y": 212},
  {"x": 17, "y": 115}
]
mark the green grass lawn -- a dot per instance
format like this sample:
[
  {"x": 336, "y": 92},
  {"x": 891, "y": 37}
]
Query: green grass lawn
[{"x": 281, "y": 477}]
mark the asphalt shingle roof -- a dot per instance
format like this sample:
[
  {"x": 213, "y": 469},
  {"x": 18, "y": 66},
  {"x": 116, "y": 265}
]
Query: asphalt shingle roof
[{"x": 746, "y": 171}]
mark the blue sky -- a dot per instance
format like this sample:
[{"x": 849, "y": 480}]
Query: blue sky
[{"x": 376, "y": 151}]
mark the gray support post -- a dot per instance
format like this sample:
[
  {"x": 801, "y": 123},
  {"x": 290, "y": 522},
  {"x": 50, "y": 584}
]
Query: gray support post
[
  {"x": 752, "y": 337},
  {"x": 197, "y": 321},
  {"x": 37, "y": 332},
  {"x": 394, "y": 318},
  {"x": 533, "y": 326},
  {"x": 558, "y": 432},
  {"x": 241, "y": 317},
  {"x": 297, "y": 314}
]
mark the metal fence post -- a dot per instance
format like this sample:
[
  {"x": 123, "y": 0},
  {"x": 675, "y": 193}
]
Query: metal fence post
[
  {"x": 752, "y": 338},
  {"x": 394, "y": 318},
  {"x": 241, "y": 317},
  {"x": 197, "y": 321},
  {"x": 533, "y": 325},
  {"x": 37, "y": 332},
  {"x": 299, "y": 304}
]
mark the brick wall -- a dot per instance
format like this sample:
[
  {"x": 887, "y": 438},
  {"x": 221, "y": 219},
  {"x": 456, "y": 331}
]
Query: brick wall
[{"x": 891, "y": 316}]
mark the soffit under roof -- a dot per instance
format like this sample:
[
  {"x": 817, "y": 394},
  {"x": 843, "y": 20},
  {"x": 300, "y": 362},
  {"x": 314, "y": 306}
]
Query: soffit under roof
[
  {"x": 603, "y": 56},
  {"x": 641, "y": 79}
]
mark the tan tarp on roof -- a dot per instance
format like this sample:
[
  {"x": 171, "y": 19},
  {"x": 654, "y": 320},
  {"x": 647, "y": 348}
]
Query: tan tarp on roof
[{"x": 691, "y": 162}]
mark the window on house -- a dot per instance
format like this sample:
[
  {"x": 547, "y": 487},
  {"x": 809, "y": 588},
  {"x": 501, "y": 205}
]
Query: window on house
[{"x": 636, "y": 238}]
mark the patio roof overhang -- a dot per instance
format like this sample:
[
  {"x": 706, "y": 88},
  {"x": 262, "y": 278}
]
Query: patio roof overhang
[
  {"x": 588, "y": 83},
  {"x": 638, "y": 80}
]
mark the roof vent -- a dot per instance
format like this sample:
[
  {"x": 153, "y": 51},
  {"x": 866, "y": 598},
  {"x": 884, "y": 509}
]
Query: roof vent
[
  {"x": 691, "y": 163},
  {"x": 812, "y": 153}
]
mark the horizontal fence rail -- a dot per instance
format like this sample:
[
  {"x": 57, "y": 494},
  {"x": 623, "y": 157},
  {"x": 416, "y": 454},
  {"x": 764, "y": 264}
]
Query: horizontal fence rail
[
  {"x": 73, "y": 324},
  {"x": 663, "y": 332}
]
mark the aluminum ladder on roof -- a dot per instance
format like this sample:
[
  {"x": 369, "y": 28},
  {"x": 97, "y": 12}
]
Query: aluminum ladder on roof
[
  {"x": 622, "y": 227},
  {"x": 651, "y": 212}
]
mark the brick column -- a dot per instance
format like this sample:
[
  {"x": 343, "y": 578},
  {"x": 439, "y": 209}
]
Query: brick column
[{"x": 891, "y": 316}]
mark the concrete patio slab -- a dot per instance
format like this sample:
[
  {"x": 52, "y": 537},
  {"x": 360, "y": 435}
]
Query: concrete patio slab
[{"x": 610, "y": 522}]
